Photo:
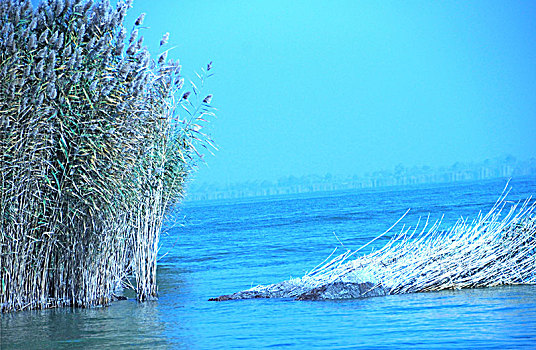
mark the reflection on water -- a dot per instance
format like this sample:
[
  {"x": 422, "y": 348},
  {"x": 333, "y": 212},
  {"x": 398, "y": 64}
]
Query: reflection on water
[
  {"x": 124, "y": 323},
  {"x": 230, "y": 246}
]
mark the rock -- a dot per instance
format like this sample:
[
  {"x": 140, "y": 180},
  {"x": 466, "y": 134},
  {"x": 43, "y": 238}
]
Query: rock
[
  {"x": 247, "y": 294},
  {"x": 331, "y": 291},
  {"x": 342, "y": 290}
]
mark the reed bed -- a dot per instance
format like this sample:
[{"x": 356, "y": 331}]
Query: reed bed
[
  {"x": 498, "y": 248},
  {"x": 95, "y": 149}
]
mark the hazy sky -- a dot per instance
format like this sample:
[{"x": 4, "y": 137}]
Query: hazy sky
[{"x": 347, "y": 87}]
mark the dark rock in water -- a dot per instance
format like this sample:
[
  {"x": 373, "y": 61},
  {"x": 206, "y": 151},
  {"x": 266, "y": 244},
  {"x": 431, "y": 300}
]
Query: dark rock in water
[
  {"x": 331, "y": 291},
  {"x": 342, "y": 290},
  {"x": 278, "y": 290},
  {"x": 222, "y": 298},
  {"x": 241, "y": 295}
]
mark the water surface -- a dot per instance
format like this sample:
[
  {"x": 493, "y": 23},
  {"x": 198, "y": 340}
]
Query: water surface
[{"x": 216, "y": 248}]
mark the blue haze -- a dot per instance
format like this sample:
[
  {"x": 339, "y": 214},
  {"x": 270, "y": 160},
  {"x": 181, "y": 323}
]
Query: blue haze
[{"x": 347, "y": 87}]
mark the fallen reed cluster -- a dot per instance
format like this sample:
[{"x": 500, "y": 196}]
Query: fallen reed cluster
[
  {"x": 94, "y": 151},
  {"x": 492, "y": 250}
]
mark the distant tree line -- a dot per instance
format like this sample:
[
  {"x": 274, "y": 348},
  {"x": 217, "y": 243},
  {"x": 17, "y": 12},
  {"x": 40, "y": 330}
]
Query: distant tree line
[{"x": 501, "y": 167}]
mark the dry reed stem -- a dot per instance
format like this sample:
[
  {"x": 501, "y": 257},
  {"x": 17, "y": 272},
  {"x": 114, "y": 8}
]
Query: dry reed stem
[{"x": 494, "y": 249}]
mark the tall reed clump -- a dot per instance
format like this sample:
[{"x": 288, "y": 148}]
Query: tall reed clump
[{"x": 93, "y": 152}]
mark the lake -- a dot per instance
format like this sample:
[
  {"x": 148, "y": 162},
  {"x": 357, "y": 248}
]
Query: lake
[{"x": 214, "y": 248}]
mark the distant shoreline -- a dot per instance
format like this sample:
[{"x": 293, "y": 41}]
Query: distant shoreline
[
  {"x": 351, "y": 190},
  {"x": 381, "y": 179}
]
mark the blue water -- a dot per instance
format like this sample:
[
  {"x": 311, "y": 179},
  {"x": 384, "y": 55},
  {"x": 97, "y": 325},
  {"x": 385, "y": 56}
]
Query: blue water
[{"x": 216, "y": 248}]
